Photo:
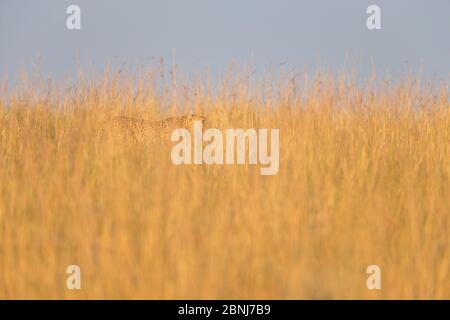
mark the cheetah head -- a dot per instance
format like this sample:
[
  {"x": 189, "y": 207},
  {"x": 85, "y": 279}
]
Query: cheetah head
[{"x": 194, "y": 117}]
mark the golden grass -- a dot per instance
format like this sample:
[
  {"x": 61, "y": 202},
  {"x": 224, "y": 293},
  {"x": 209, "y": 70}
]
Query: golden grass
[{"x": 364, "y": 179}]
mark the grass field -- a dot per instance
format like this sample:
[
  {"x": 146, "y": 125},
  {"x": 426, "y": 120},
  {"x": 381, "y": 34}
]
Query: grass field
[{"x": 364, "y": 179}]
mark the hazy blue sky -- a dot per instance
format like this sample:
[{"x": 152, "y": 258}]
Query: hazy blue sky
[{"x": 303, "y": 34}]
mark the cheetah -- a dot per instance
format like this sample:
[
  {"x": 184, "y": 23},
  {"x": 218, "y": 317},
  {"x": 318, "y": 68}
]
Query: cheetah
[{"x": 138, "y": 128}]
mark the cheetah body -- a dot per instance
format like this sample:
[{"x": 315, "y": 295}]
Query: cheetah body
[{"x": 141, "y": 128}]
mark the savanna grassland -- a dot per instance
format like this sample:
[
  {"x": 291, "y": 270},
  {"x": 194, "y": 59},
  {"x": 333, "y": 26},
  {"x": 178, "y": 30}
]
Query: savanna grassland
[{"x": 364, "y": 179}]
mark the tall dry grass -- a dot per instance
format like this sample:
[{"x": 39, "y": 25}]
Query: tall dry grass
[{"x": 364, "y": 179}]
